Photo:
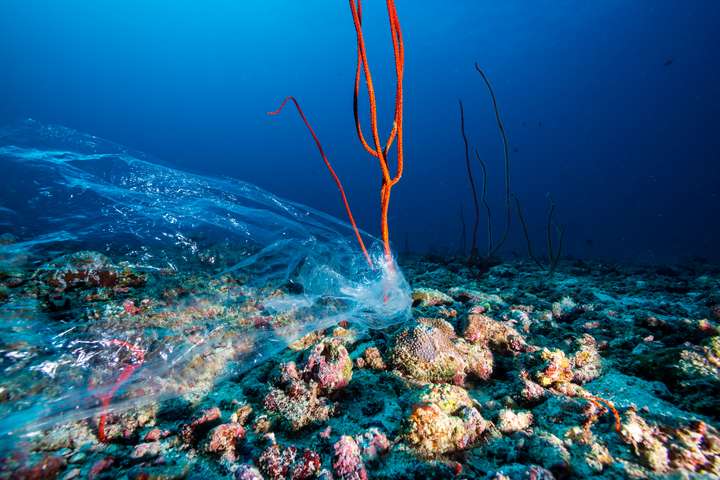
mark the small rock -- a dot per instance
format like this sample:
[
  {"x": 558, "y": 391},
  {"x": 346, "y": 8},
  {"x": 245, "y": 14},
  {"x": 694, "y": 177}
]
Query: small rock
[
  {"x": 71, "y": 474},
  {"x": 329, "y": 365},
  {"x": 443, "y": 420},
  {"x": 428, "y": 297},
  {"x": 49, "y": 467},
  {"x": 275, "y": 462},
  {"x": 146, "y": 450},
  {"x": 224, "y": 438},
  {"x": 373, "y": 359},
  {"x": 78, "y": 458},
  {"x": 509, "y": 422},
  {"x": 207, "y": 420},
  {"x": 497, "y": 336},
  {"x": 548, "y": 451},
  {"x": 247, "y": 472},
  {"x": 153, "y": 435},
  {"x": 520, "y": 472}
]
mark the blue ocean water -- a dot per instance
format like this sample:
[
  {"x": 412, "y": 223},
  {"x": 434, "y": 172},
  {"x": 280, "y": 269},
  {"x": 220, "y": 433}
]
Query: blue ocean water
[
  {"x": 182, "y": 295},
  {"x": 611, "y": 107}
]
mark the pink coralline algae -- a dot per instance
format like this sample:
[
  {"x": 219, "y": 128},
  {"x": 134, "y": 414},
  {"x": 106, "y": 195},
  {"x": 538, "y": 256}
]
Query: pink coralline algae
[
  {"x": 348, "y": 463},
  {"x": 295, "y": 403},
  {"x": 329, "y": 365},
  {"x": 307, "y": 466},
  {"x": 223, "y": 440},
  {"x": 275, "y": 462},
  {"x": 529, "y": 392},
  {"x": 372, "y": 444},
  {"x": 297, "y": 399}
]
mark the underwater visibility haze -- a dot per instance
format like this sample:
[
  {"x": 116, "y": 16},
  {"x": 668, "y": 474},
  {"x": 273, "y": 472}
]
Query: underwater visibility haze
[{"x": 351, "y": 240}]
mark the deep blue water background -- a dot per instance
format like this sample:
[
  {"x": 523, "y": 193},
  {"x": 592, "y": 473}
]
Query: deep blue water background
[{"x": 612, "y": 106}]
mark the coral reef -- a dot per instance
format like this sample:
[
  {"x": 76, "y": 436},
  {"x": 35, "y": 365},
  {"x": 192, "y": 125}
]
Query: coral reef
[{"x": 596, "y": 372}]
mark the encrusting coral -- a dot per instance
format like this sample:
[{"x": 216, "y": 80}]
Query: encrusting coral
[
  {"x": 431, "y": 352},
  {"x": 444, "y": 419},
  {"x": 329, "y": 365},
  {"x": 494, "y": 385}
]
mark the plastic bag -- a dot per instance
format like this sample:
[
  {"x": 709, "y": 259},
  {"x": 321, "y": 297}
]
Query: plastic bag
[{"x": 123, "y": 281}]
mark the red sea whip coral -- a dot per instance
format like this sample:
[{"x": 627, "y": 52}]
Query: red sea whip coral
[
  {"x": 139, "y": 357},
  {"x": 396, "y": 134}
]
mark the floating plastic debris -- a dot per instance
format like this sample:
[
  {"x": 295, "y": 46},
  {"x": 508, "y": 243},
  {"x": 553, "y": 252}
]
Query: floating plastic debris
[{"x": 136, "y": 281}]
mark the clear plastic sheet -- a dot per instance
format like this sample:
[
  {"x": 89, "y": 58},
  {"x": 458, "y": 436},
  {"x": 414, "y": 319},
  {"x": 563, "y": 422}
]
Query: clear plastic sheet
[{"x": 125, "y": 281}]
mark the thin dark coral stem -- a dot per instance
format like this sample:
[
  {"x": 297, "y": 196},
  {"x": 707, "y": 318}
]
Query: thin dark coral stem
[
  {"x": 548, "y": 231},
  {"x": 483, "y": 199},
  {"x": 332, "y": 173},
  {"x": 476, "y": 222},
  {"x": 506, "y": 157},
  {"x": 553, "y": 254}
]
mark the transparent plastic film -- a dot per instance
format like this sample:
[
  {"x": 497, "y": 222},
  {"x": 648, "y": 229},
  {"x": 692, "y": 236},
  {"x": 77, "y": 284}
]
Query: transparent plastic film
[{"x": 123, "y": 281}]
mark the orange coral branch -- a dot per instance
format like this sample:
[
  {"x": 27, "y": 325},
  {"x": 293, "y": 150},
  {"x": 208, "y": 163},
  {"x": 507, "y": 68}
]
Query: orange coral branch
[
  {"x": 601, "y": 403},
  {"x": 396, "y": 134},
  {"x": 331, "y": 170},
  {"x": 358, "y": 69},
  {"x": 125, "y": 374}
]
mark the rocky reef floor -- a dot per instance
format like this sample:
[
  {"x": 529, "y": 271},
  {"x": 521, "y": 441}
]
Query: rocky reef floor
[{"x": 599, "y": 370}]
